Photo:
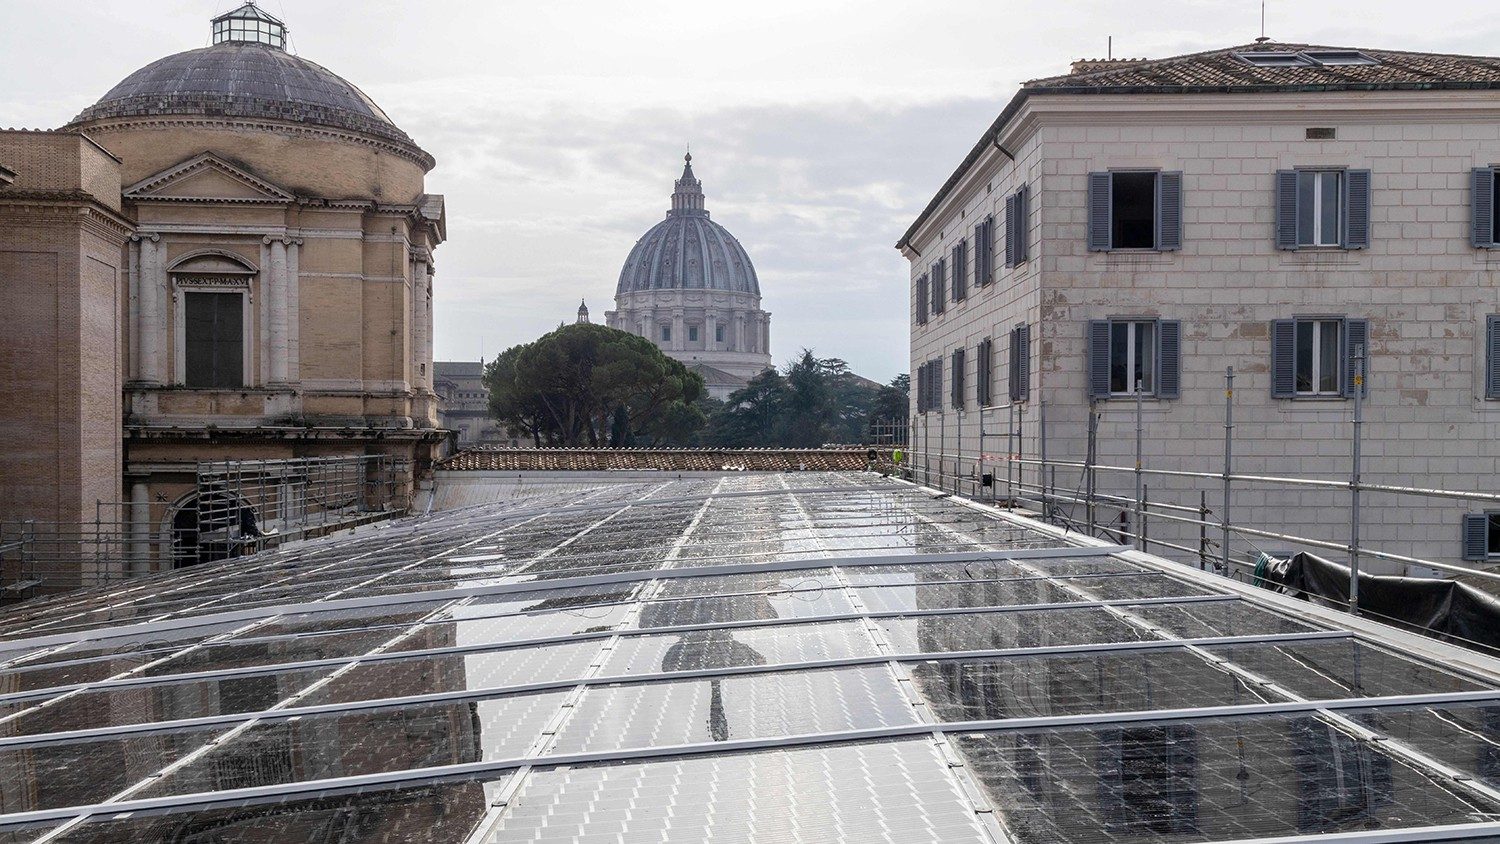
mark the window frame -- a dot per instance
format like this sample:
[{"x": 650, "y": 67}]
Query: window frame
[
  {"x": 1492, "y": 534},
  {"x": 665, "y": 333},
  {"x": 1315, "y": 370},
  {"x": 693, "y": 333},
  {"x": 1341, "y": 220},
  {"x": 1133, "y": 325},
  {"x": 1155, "y": 208},
  {"x": 182, "y": 287}
]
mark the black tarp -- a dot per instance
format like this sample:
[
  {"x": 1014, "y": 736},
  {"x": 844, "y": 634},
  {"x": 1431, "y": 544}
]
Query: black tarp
[{"x": 1445, "y": 609}]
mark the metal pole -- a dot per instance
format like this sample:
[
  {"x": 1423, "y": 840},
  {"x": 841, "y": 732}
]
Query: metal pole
[
  {"x": 1088, "y": 467},
  {"x": 1359, "y": 421},
  {"x": 1141, "y": 512},
  {"x": 1010, "y": 450},
  {"x": 1020, "y": 451},
  {"x": 1203, "y": 530},
  {"x": 1140, "y": 505},
  {"x": 1228, "y": 454},
  {"x": 1041, "y": 410}
]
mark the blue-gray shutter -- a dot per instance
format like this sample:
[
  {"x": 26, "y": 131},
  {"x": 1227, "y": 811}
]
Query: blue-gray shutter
[
  {"x": 1169, "y": 359},
  {"x": 1169, "y": 211},
  {"x": 1098, "y": 358},
  {"x": 1283, "y": 358},
  {"x": 1492, "y": 358},
  {"x": 1010, "y": 231},
  {"x": 1023, "y": 362},
  {"x": 1286, "y": 209},
  {"x": 960, "y": 271},
  {"x": 1099, "y": 199},
  {"x": 983, "y": 356},
  {"x": 922, "y": 302},
  {"x": 1356, "y": 209},
  {"x": 956, "y": 390},
  {"x": 1482, "y": 203},
  {"x": 1476, "y": 537},
  {"x": 1356, "y": 334}
]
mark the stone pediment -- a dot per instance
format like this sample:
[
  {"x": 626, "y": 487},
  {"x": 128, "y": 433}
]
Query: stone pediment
[{"x": 207, "y": 178}]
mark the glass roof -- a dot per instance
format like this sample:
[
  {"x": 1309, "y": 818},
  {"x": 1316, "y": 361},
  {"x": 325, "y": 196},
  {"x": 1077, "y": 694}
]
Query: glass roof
[{"x": 757, "y": 658}]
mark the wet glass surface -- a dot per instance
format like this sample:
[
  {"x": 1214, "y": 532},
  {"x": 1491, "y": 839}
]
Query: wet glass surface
[
  {"x": 667, "y": 712},
  {"x": 1009, "y": 629},
  {"x": 1204, "y": 780},
  {"x": 438, "y": 813},
  {"x": 1343, "y": 668},
  {"x": 457, "y": 672},
  {"x": 161, "y": 702},
  {"x": 347, "y": 744},
  {"x": 76, "y": 772},
  {"x": 1209, "y": 619},
  {"x": 711, "y": 610}
]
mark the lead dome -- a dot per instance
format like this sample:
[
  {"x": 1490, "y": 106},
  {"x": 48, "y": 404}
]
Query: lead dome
[{"x": 687, "y": 250}]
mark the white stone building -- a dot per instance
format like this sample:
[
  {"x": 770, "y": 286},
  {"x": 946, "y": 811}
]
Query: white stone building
[
  {"x": 1267, "y": 207},
  {"x": 689, "y": 286}
]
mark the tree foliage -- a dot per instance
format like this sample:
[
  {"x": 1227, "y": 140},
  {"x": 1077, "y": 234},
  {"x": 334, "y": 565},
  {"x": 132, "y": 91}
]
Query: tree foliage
[
  {"x": 811, "y": 402},
  {"x": 590, "y": 385}
]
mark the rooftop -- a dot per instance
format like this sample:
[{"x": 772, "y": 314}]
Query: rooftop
[
  {"x": 657, "y": 459},
  {"x": 1264, "y": 67},
  {"x": 810, "y": 657}
]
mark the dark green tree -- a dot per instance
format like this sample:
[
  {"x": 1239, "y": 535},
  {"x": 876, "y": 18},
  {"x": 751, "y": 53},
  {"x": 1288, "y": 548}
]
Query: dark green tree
[{"x": 592, "y": 385}]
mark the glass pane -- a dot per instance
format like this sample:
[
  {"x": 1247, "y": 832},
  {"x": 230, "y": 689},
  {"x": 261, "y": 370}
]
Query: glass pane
[
  {"x": 1306, "y": 207},
  {"x": 1328, "y": 356},
  {"x": 1344, "y": 668},
  {"x": 926, "y": 596},
  {"x": 710, "y": 610},
  {"x": 457, "y": 672},
  {"x": 1464, "y": 735},
  {"x": 1012, "y": 687},
  {"x": 348, "y": 744},
  {"x": 71, "y": 773},
  {"x": 1209, "y": 619},
  {"x": 1304, "y": 340},
  {"x": 438, "y": 813},
  {"x": 1205, "y": 780},
  {"x": 898, "y": 792},
  {"x": 1333, "y": 200},
  {"x": 1003, "y": 630},
  {"x": 723, "y": 708},
  {"x": 1119, "y": 357},
  {"x": 1145, "y": 355}
]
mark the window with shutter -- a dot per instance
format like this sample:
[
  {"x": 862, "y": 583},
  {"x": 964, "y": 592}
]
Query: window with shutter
[
  {"x": 923, "y": 297},
  {"x": 1356, "y": 337},
  {"x": 1357, "y": 209},
  {"x": 1169, "y": 211},
  {"x": 1481, "y": 536},
  {"x": 1169, "y": 358},
  {"x": 1283, "y": 358},
  {"x": 1010, "y": 231},
  {"x": 937, "y": 384},
  {"x": 961, "y": 271},
  {"x": 1482, "y": 207},
  {"x": 1021, "y": 355},
  {"x": 957, "y": 387},
  {"x": 1098, "y": 210},
  {"x": 1286, "y": 209},
  {"x": 984, "y": 361},
  {"x": 939, "y": 286},
  {"x": 1492, "y": 357},
  {"x": 1023, "y": 222},
  {"x": 984, "y": 251},
  {"x": 1098, "y": 358}
]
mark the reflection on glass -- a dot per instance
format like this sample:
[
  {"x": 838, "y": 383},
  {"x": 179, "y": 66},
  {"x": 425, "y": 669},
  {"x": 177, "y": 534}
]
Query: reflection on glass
[{"x": 1231, "y": 778}]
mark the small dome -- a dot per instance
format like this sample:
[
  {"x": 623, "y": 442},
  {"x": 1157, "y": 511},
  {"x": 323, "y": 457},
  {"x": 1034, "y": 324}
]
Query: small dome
[
  {"x": 246, "y": 73},
  {"x": 687, "y": 251}
]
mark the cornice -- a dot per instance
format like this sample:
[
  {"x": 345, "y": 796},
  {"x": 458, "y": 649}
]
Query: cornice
[{"x": 412, "y": 153}]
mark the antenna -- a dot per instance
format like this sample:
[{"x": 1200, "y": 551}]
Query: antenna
[
  {"x": 1262, "y": 39},
  {"x": 1110, "y": 51}
]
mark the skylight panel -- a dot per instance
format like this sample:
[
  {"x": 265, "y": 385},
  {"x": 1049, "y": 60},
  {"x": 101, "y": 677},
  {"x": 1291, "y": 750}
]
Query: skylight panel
[
  {"x": 1268, "y": 59},
  {"x": 1339, "y": 57}
]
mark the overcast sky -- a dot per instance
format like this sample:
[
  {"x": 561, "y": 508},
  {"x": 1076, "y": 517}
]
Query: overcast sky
[{"x": 819, "y": 127}]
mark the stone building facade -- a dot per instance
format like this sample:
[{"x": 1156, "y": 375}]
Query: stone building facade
[
  {"x": 689, "y": 286},
  {"x": 1269, "y": 208},
  {"x": 274, "y": 297},
  {"x": 464, "y": 403},
  {"x": 62, "y": 243}
]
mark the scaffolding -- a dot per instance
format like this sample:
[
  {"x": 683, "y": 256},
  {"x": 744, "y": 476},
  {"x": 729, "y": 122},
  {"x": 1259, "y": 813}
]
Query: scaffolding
[
  {"x": 1226, "y": 543},
  {"x": 232, "y": 508}
]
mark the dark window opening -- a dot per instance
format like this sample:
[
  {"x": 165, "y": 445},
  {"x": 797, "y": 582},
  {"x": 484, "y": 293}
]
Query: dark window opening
[
  {"x": 1133, "y": 211},
  {"x": 215, "y": 332},
  {"x": 1495, "y": 209}
]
